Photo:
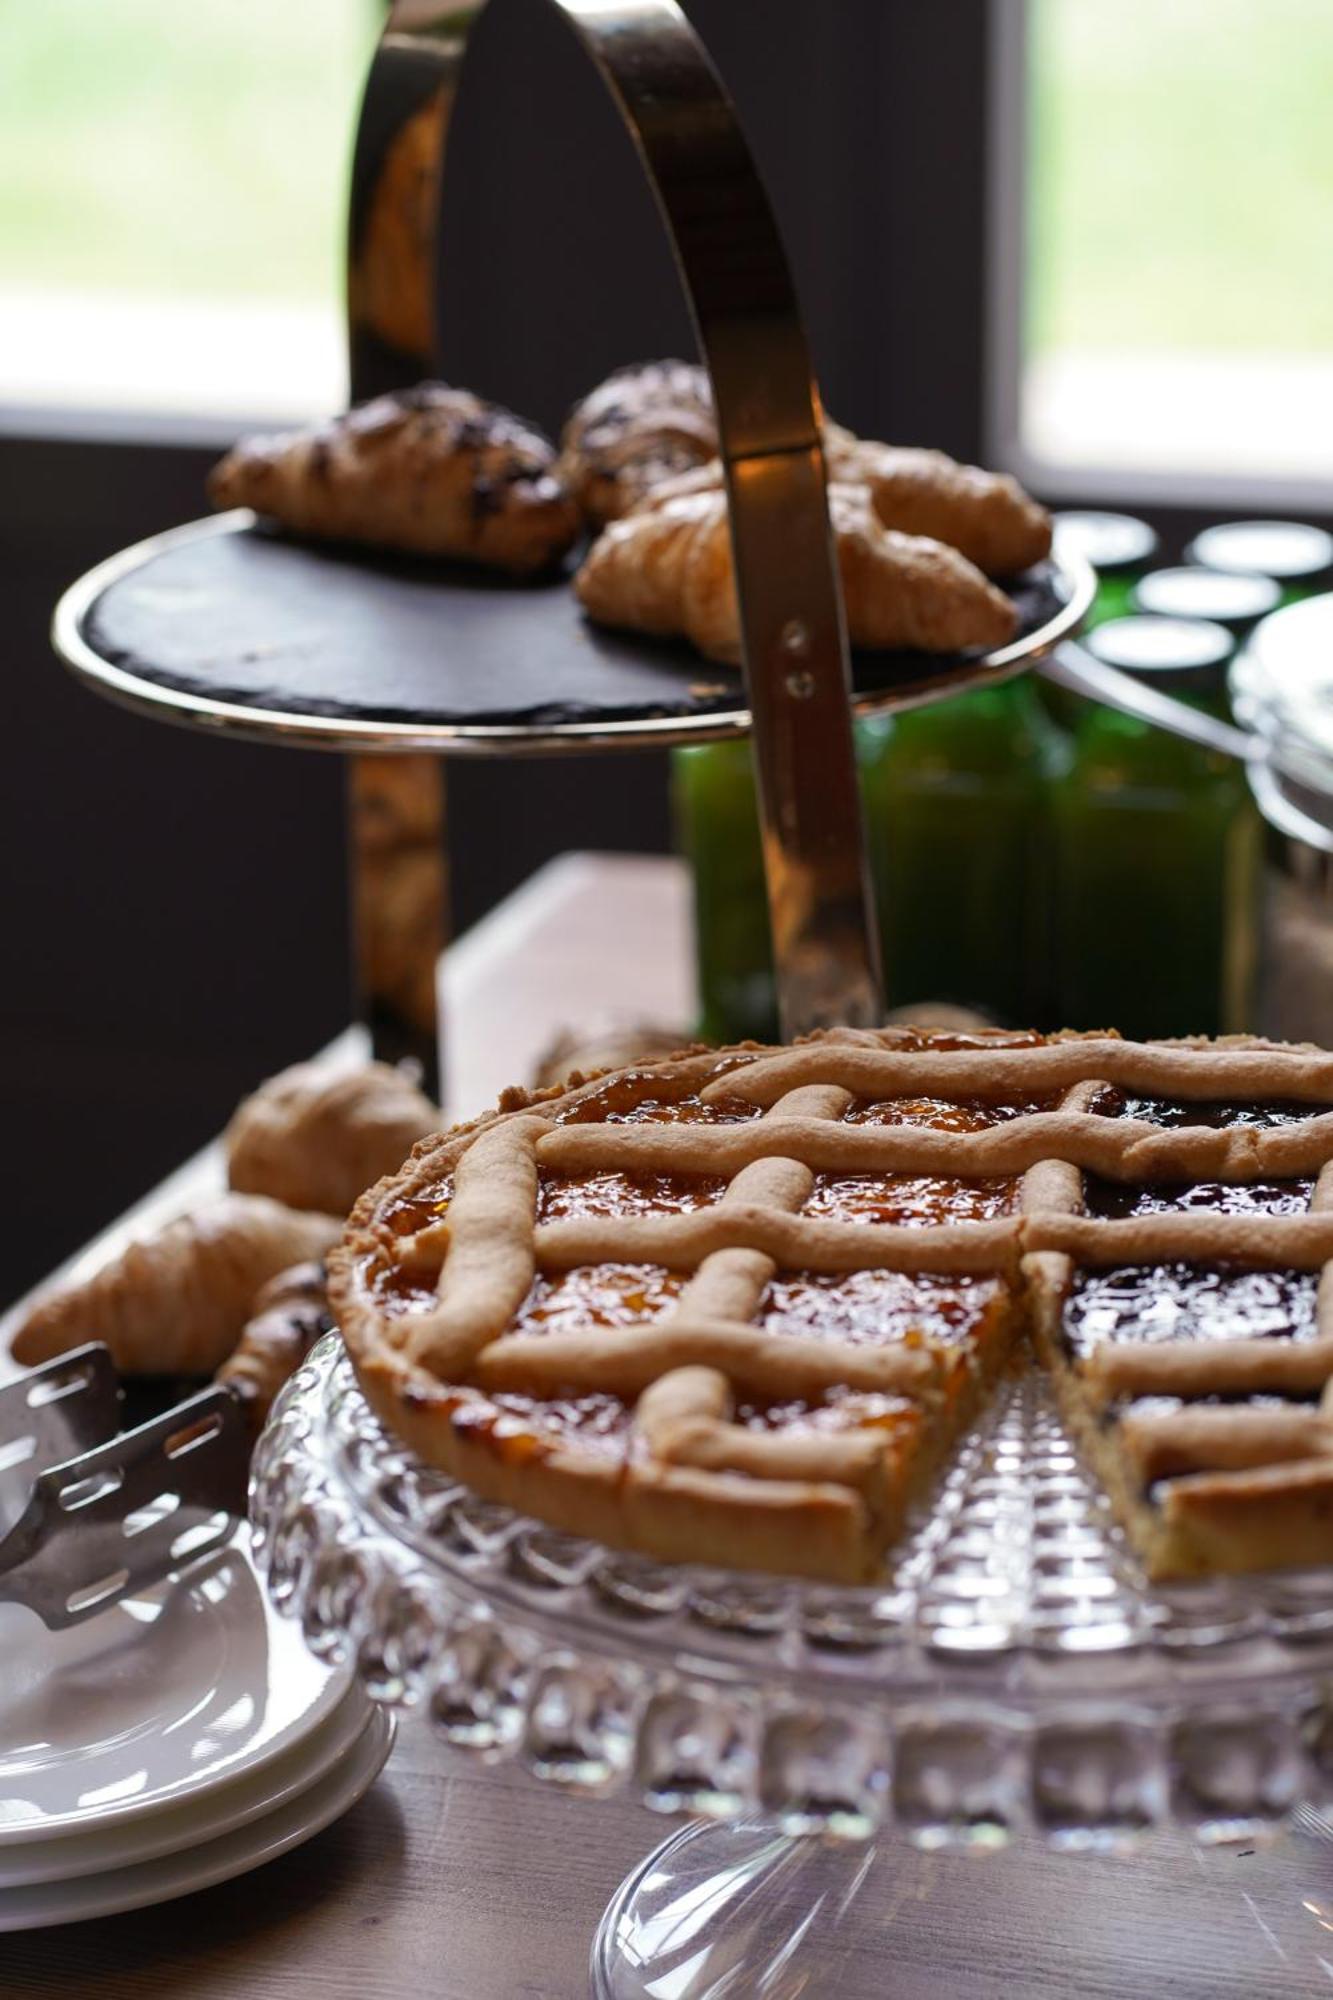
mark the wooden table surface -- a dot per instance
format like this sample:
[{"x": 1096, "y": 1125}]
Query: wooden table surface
[{"x": 453, "y": 1881}]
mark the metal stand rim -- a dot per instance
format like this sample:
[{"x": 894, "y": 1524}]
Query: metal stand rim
[{"x": 300, "y": 731}]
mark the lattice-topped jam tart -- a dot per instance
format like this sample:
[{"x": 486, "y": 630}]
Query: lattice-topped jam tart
[{"x": 737, "y": 1307}]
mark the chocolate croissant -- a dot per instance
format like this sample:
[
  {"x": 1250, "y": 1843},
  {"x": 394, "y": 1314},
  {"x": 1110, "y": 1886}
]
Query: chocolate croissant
[
  {"x": 175, "y": 1303},
  {"x": 667, "y": 569},
  {"x": 430, "y": 470},
  {"x": 643, "y": 425},
  {"x": 289, "y": 1315},
  {"x": 316, "y": 1138}
]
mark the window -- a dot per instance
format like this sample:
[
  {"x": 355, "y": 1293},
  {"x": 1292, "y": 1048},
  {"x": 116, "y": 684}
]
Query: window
[
  {"x": 1164, "y": 230},
  {"x": 172, "y": 187}
]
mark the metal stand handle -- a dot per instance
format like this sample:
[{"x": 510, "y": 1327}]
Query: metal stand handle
[{"x": 735, "y": 275}]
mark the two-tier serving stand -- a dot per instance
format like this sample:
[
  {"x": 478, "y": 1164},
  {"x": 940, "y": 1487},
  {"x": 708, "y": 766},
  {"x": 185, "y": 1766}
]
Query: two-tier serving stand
[{"x": 1015, "y": 1676}]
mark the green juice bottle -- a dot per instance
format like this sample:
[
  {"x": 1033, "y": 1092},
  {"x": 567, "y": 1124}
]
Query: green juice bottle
[
  {"x": 957, "y": 822},
  {"x": 1157, "y": 851},
  {"x": 716, "y": 812},
  {"x": 956, "y": 804}
]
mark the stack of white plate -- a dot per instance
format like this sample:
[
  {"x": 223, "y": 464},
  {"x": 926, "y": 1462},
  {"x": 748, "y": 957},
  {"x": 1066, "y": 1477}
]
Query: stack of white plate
[{"x": 173, "y": 1741}]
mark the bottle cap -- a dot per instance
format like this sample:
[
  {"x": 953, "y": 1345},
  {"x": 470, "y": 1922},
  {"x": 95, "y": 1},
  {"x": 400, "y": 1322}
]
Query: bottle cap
[
  {"x": 1110, "y": 542},
  {"x": 1291, "y": 551},
  {"x": 1179, "y": 655},
  {"x": 1226, "y": 597}
]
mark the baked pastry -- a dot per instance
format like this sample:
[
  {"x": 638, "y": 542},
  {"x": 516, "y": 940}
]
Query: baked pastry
[
  {"x": 578, "y": 1053},
  {"x": 430, "y": 470},
  {"x": 642, "y": 425},
  {"x": 289, "y": 1315},
  {"x": 314, "y": 1138},
  {"x": 645, "y": 426},
  {"x": 175, "y": 1303},
  {"x": 986, "y": 516},
  {"x": 735, "y": 1307},
  {"x": 666, "y": 568}
]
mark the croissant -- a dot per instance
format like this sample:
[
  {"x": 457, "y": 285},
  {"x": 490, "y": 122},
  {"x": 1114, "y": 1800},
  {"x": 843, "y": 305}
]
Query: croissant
[
  {"x": 667, "y": 569},
  {"x": 986, "y": 516},
  {"x": 175, "y": 1303},
  {"x": 315, "y": 1138},
  {"x": 639, "y": 427},
  {"x": 288, "y": 1316},
  {"x": 646, "y": 424},
  {"x": 431, "y": 470}
]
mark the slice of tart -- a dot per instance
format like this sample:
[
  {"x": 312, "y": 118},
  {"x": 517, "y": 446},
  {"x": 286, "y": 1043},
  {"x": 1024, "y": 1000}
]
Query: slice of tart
[
  {"x": 736, "y": 1307},
  {"x": 647, "y": 1311},
  {"x": 1192, "y": 1341}
]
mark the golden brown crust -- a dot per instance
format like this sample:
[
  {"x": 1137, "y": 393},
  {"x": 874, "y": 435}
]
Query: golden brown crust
[
  {"x": 316, "y": 1138},
  {"x": 688, "y": 1467},
  {"x": 175, "y": 1303},
  {"x": 288, "y": 1316},
  {"x": 431, "y": 470},
  {"x": 667, "y": 569}
]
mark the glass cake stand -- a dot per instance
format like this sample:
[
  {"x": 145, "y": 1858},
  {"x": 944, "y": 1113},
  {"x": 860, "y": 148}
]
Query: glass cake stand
[{"x": 1016, "y": 1678}]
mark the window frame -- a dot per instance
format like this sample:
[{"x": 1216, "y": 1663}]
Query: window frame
[{"x": 1146, "y": 492}]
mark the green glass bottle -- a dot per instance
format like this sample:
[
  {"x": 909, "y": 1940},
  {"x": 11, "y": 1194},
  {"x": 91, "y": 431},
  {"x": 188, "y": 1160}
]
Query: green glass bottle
[
  {"x": 1157, "y": 851},
  {"x": 1120, "y": 548},
  {"x": 716, "y": 812},
  {"x": 956, "y": 808},
  {"x": 1297, "y": 555}
]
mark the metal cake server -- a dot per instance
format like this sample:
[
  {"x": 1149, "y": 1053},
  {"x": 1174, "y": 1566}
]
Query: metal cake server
[{"x": 107, "y": 1511}]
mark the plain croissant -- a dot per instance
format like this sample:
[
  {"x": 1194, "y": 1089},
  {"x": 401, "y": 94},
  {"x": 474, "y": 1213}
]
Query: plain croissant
[
  {"x": 290, "y": 1314},
  {"x": 986, "y": 516},
  {"x": 667, "y": 569},
  {"x": 175, "y": 1303},
  {"x": 431, "y": 470},
  {"x": 315, "y": 1138}
]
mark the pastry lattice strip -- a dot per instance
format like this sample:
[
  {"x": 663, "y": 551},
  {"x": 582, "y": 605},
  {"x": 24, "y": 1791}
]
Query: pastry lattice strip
[{"x": 685, "y": 1364}]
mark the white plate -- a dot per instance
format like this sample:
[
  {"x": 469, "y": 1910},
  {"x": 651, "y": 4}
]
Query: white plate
[
  {"x": 173, "y": 1875},
  {"x": 188, "y": 1686},
  {"x": 195, "y": 1820}
]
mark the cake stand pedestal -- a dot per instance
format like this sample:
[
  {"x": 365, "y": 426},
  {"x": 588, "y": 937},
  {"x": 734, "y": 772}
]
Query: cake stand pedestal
[{"x": 1017, "y": 1686}]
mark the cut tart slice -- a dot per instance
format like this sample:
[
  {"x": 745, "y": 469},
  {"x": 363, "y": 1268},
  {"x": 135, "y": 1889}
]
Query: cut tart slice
[
  {"x": 737, "y": 1306},
  {"x": 1192, "y": 1340},
  {"x": 648, "y": 1312}
]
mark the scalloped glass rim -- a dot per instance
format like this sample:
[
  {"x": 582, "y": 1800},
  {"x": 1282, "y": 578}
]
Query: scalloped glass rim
[{"x": 1015, "y": 1589}]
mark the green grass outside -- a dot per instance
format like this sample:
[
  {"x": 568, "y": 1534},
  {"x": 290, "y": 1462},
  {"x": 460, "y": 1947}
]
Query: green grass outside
[
  {"x": 152, "y": 147},
  {"x": 1182, "y": 174},
  {"x": 1182, "y": 154}
]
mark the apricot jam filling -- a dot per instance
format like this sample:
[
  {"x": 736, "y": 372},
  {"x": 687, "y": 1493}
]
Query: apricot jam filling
[
  {"x": 880, "y": 1308},
  {"x": 909, "y": 1199},
  {"x": 610, "y": 1194},
  {"x": 621, "y": 1101},
  {"x": 597, "y": 1295},
  {"x": 1195, "y": 1302},
  {"x": 966, "y": 1115}
]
